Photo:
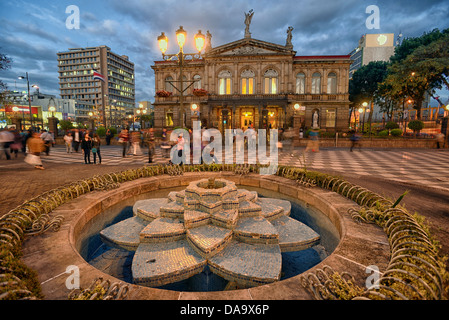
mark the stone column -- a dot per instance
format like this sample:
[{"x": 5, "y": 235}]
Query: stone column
[{"x": 53, "y": 125}]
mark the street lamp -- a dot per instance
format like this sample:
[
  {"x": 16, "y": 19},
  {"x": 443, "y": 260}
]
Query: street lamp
[
  {"x": 29, "y": 99},
  {"x": 181, "y": 36}
]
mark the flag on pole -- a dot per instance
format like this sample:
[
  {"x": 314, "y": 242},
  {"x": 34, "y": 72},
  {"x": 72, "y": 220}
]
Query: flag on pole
[{"x": 98, "y": 76}]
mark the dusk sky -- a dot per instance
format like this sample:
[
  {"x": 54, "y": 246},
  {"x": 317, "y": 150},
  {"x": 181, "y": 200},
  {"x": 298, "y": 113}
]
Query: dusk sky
[{"x": 32, "y": 32}]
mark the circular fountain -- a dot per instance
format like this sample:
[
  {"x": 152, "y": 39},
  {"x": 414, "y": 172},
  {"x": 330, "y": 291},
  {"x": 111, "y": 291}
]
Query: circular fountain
[{"x": 210, "y": 225}]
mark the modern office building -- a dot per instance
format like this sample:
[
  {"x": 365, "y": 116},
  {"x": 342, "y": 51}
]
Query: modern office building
[
  {"x": 108, "y": 96},
  {"x": 372, "y": 47},
  {"x": 254, "y": 83}
]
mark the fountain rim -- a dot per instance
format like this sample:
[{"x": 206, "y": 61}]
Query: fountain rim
[{"x": 92, "y": 204}]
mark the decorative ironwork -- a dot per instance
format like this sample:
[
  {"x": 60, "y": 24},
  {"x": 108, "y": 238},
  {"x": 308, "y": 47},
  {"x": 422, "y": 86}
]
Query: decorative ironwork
[
  {"x": 101, "y": 290},
  {"x": 45, "y": 223}
]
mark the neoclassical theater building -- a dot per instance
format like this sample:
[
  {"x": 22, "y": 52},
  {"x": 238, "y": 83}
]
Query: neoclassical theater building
[{"x": 254, "y": 83}]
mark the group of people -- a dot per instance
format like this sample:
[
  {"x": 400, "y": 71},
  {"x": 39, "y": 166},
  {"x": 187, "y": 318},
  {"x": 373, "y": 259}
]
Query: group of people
[
  {"x": 31, "y": 143},
  {"x": 133, "y": 140},
  {"x": 86, "y": 141}
]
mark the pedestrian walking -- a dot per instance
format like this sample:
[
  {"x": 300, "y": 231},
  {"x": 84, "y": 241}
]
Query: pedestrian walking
[
  {"x": 164, "y": 144},
  {"x": 123, "y": 139},
  {"x": 180, "y": 148},
  {"x": 135, "y": 142},
  {"x": 16, "y": 145},
  {"x": 68, "y": 139},
  {"x": 151, "y": 144},
  {"x": 355, "y": 140},
  {"x": 86, "y": 146},
  {"x": 440, "y": 140},
  {"x": 314, "y": 141},
  {"x": 47, "y": 137},
  {"x": 6, "y": 139},
  {"x": 35, "y": 147},
  {"x": 96, "y": 144}
]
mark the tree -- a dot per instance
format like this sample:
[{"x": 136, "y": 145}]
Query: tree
[
  {"x": 419, "y": 66},
  {"x": 409, "y": 45},
  {"x": 65, "y": 125},
  {"x": 5, "y": 63},
  {"x": 364, "y": 85},
  {"x": 416, "y": 126}
]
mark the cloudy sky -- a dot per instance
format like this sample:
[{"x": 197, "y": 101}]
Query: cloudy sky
[{"x": 32, "y": 32}]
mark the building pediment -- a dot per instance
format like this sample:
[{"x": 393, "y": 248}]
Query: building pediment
[{"x": 249, "y": 47}]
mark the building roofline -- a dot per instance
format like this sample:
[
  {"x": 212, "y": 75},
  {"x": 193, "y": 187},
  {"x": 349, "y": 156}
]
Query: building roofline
[{"x": 334, "y": 57}]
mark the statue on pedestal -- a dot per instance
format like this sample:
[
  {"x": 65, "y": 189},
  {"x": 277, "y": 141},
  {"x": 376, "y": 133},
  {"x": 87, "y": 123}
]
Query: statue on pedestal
[
  {"x": 289, "y": 44},
  {"x": 315, "y": 120},
  {"x": 248, "y": 18}
]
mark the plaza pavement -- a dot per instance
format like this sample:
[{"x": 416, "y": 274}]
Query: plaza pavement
[
  {"x": 389, "y": 172},
  {"x": 426, "y": 167}
]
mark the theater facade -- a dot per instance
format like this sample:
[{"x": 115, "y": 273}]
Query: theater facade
[{"x": 254, "y": 83}]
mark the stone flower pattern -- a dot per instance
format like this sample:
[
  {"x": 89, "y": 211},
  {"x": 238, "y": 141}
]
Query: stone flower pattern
[{"x": 239, "y": 235}]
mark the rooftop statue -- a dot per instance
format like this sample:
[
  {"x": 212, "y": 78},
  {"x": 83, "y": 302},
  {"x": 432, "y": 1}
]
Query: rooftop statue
[
  {"x": 289, "y": 44},
  {"x": 248, "y": 18}
]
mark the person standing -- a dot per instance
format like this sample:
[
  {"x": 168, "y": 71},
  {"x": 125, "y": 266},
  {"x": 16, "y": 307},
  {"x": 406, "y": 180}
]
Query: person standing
[
  {"x": 109, "y": 136},
  {"x": 96, "y": 143},
  {"x": 68, "y": 139},
  {"x": 76, "y": 140},
  {"x": 35, "y": 146},
  {"x": 86, "y": 146}
]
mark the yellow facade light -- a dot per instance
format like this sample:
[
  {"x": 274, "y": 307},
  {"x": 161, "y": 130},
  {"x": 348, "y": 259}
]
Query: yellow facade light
[
  {"x": 181, "y": 36},
  {"x": 200, "y": 40},
  {"x": 162, "y": 42}
]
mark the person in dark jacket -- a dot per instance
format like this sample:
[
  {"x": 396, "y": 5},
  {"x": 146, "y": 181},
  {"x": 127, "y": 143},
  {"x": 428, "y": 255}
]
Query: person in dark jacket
[
  {"x": 86, "y": 146},
  {"x": 96, "y": 143}
]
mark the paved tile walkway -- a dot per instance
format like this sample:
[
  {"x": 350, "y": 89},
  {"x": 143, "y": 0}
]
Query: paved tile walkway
[{"x": 423, "y": 167}]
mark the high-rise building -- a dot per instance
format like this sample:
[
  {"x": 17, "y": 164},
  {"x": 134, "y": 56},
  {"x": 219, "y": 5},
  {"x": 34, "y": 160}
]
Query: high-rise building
[
  {"x": 108, "y": 100},
  {"x": 372, "y": 47}
]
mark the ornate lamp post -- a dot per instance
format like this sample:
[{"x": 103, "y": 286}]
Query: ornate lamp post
[
  {"x": 52, "y": 121},
  {"x": 181, "y": 35}
]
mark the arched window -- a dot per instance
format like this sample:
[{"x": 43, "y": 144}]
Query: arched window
[
  {"x": 316, "y": 83},
  {"x": 300, "y": 83},
  {"x": 270, "y": 81},
  {"x": 169, "y": 84},
  {"x": 332, "y": 83},
  {"x": 224, "y": 82},
  {"x": 197, "y": 83},
  {"x": 247, "y": 82}
]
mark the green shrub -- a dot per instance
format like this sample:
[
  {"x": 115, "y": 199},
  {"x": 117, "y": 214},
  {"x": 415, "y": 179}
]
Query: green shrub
[
  {"x": 391, "y": 125},
  {"x": 396, "y": 132},
  {"x": 383, "y": 133},
  {"x": 101, "y": 131},
  {"x": 416, "y": 125}
]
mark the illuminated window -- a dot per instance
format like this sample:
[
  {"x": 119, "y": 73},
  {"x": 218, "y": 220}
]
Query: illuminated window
[
  {"x": 224, "y": 82},
  {"x": 316, "y": 83},
  {"x": 270, "y": 81},
  {"x": 300, "y": 83},
  {"x": 332, "y": 83},
  {"x": 330, "y": 118},
  {"x": 247, "y": 81}
]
